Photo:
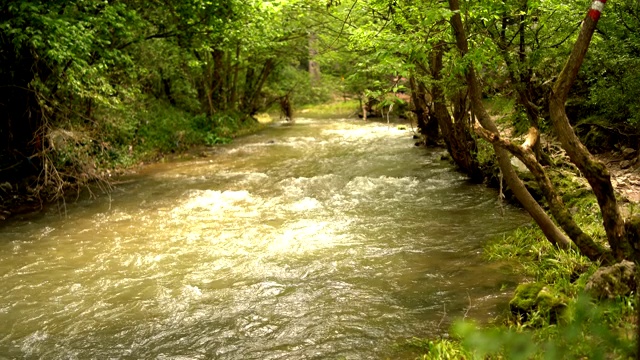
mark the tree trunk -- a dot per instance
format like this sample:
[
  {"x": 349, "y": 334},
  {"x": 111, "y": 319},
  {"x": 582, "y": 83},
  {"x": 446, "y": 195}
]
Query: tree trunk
[
  {"x": 593, "y": 170},
  {"x": 525, "y": 153},
  {"x": 460, "y": 144},
  {"x": 234, "y": 82},
  {"x": 166, "y": 86},
  {"x": 551, "y": 231},
  {"x": 427, "y": 124},
  {"x": 363, "y": 102},
  {"x": 217, "y": 80},
  {"x": 314, "y": 67},
  {"x": 520, "y": 74}
]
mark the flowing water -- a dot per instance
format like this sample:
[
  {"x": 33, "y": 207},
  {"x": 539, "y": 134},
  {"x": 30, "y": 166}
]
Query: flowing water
[{"x": 323, "y": 240}]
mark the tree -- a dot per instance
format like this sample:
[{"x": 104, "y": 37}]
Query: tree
[
  {"x": 622, "y": 238},
  {"x": 79, "y": 74},
  {"x": 552, "y": 232}
]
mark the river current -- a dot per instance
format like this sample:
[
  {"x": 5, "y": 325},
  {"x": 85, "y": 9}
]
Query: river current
[{"x": 327, "y": 239}]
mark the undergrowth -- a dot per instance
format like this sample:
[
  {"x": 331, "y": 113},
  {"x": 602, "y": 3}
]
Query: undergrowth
[
  {"x": 586, "y": 329},
  {"x": 162, "y": 129},
  {"x": 84, "y": 151},
  {"x": 583, "y": 328}
]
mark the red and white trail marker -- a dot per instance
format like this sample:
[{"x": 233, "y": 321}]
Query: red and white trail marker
[{"x": 596, "y": 9}]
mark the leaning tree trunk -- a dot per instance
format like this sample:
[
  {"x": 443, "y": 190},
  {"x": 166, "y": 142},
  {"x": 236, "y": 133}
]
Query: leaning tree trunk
[
  {"x": 520, "y": 74},
  {"x": 585, "y": 243},
  {"x": 253, "y": 87},
  {"x": 593, "y": 170},
  {"x": 551, "y": 231}
]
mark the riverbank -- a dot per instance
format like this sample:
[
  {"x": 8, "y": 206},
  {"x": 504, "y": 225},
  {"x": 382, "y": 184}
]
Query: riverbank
[
  {"x": 171, "y": 135},
  {"x": 559, "y": 318},
  {"x": 563, "y": 275}
]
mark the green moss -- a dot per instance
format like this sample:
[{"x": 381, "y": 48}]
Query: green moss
[{"x": 525, "y": 297}]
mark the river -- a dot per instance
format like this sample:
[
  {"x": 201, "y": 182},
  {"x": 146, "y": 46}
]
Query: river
[{"x": 327, "y": 239}]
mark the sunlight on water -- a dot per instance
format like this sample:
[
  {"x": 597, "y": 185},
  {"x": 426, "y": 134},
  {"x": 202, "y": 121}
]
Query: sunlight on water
[{"x": 326, "y": 239}]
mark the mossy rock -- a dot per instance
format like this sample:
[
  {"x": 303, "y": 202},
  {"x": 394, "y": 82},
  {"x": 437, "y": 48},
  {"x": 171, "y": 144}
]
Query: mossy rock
[
  {"x": 613, "y": 281},
  {"x": 524, "y": 299},
  {"x": 532, "y": 297},
  {"x": 551, "y": 303}
]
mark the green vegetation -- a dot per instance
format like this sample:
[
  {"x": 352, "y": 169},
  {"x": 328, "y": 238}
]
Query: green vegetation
[
  {"x": 551, "y": 316},
  {"x": 582, "y": 329},
  {"x": 347, "y": 108},
  {"x": 92, "y": 86}
]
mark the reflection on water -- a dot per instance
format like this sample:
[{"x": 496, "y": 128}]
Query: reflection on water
[{"x": 328, "y": 239}]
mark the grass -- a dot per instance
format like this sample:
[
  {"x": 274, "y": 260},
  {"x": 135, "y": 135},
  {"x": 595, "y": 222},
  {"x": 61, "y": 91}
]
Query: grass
[
  {"x": 348, "y": 108},
  {"x": 584, "y": 329}
]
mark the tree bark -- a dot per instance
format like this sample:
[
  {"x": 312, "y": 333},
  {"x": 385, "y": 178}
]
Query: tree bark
[
  {"x": 457, "y": 137},
  {"x": 314, "y": 67},
  {"x": 234, "y": 82},
  {"x": 551, "y": 231},
  {"x": 427, "y": 124},
  {"x": 217, "y": 80},
  {"x": 593, "y": 170},
  {"x": 363, "y": 101}
]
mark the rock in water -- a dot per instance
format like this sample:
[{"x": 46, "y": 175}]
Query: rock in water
[{"x": 612, "y": 281}]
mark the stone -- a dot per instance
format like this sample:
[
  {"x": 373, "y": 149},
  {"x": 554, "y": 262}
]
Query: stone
[
  {"x": 519, "y": 165},
  {"x": 629, "y": 153},
  {"x": 552, "y": 302},
  {"x": 625, "y": 164},
  {"x": 532, "y": 297},
  {"x": 612, "y": 281},
  {"x": 524, "y": 298}
]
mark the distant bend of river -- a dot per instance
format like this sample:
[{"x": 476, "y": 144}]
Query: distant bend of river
[{"x": 326, "y": 239}]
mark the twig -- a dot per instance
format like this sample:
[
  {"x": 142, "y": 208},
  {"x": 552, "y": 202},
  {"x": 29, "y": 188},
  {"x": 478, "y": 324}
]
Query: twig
[
  {"x": 468, "y": 308},
  {"x": 444, "y": 315},
  {"x": 501, "y": 194}
]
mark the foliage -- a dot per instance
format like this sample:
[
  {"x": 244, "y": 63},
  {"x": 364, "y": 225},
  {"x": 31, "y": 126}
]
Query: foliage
[
  {"x": 585, "y": 331},
  {"x": 437, "y": 349},
  {"x": 612, "y": 71},
  {"x": 142, "y": 134},
  {"x": 104, "y": 77}
]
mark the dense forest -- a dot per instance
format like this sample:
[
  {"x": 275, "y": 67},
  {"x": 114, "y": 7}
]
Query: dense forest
[{"x": 90, "y": 87}]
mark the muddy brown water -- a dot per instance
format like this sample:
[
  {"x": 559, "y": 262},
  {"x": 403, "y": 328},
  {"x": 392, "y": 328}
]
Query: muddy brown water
[{"x": 322, "y": 240}]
